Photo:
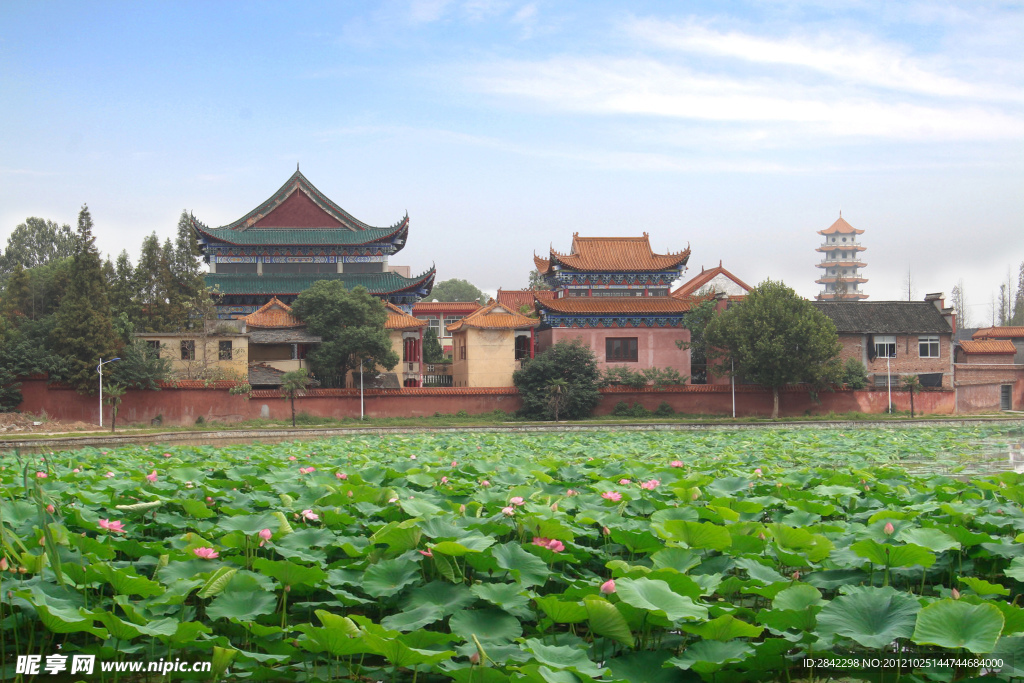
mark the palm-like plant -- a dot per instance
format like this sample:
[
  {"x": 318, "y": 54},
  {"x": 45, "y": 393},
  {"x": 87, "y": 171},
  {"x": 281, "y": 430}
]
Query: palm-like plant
[
  {"x": 558, "y": 394},
  {"x": 294, "y": 383},
  {"x": 912, "y": 383}
]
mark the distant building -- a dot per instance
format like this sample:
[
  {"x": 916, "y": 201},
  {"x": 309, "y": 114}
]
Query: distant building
[
  {"x": 1008, "y": 333},
  {"x": 440, "y": 314},
  {"x": 299, "y": 236},
  {"x": 490, "y": 344},
  {"x": 841, "y": 279},
  {"x": 613, "y": 294}
]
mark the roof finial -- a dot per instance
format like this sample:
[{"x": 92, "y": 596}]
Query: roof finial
[
  {"x": 840, "y": 213},
  {"x": 296, "y": 167}
]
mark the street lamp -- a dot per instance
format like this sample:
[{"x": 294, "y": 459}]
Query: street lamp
[{"x": 99, "y": 369}]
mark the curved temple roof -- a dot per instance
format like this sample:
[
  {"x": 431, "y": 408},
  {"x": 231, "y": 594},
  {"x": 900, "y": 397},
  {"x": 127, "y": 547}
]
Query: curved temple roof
[{"x": 612, "y": 254}]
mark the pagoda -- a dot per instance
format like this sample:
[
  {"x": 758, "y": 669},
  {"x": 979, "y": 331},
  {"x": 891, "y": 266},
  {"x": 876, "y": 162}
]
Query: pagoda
[
  {"x": 296, "y": 237},
  {"x": 842, "y": 259},
  {"x": 613, "y": 293}
]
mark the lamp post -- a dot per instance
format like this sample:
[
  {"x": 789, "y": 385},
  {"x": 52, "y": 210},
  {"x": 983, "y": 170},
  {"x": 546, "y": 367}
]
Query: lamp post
[
  {"x": 888, "y": 377},
  {"x": 99, "y": 369},
  {"x": 362, "y": 412}
]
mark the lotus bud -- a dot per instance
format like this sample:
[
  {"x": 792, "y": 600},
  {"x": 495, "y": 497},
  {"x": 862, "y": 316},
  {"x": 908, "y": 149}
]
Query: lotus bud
[
  {"x": 287, "y": 589},
  {"x": 955, "y": 593},
  {"x": 50, "y": 508},
  {"x": 351, "y": 494},
  {"x": 867, "y": 488},
  {"x": 42, "y": 540},
  {"x": 462, "y": 509},
  {"x": 762, "y": 537},
  {"x": 3, "y": 564},
  {"x": 606, "y": 531},
  {"x": 265, "y": 534},
  {"x": 608, "y": 587},
  {"x": 889, "y": 529},
  {"x": 474, "y": 658},
  {"x": 554, "y": 507},
  {"x": 758, "y": 472},
  {"x": 796, "y": 576}
]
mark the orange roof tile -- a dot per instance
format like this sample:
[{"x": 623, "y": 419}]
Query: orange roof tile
[
  {"x": 444, "y": 307},
  {"x": 399, "y": 319},
  {"x": 619, "y": 305},
  {"x": 1003, "y": 332},
  {"x": 494, "y": 316},
  {"x": 840, "y": 227},
  {"x": 613, "y": 254},
  {"x": 689, "y": 288},
  {"x": 517, "y": 298},
  {"x": 274, "y": 313},
  {"x": 988, "y": 346}
]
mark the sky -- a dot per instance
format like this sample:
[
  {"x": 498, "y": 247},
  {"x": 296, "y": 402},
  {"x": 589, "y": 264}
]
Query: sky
[{"x": 737, "y": 129}]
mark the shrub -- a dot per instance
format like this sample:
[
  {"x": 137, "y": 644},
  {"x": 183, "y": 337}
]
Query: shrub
[
  {"x": 623, "y": 376},
  {"x": 462, "y": 413},
  {"x": 664, "y": 409},
  {"x": 855, "y": 375},
  {"x": 638, "y": 410},
  {"x": 574, "y": 363},
  {"x": 200, "y": 420},
  {"x": 621, "y": 408}
]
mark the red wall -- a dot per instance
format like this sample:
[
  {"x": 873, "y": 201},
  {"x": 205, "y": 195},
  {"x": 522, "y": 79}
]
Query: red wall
[
  {"x": 656, "y": 346},
  {"x": 183, "y": 403}
]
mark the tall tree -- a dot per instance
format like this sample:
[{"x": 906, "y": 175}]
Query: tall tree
[
  {"x": 560, "y": 383},
  {"x": 83, "y": 331},
  {"x": 775, "y": 338},
  {"x": 351, "y": 324},
  {"x": 1018, "y": 300},
  {"x": 537, "y": 280},
  {"x": 36, "y": 242},
  {"x": 960, "y": 305},
  {"x": 151, "y": 287},
  {"x": 18, "y": 295},
  {"x": 457, "y": 290}
]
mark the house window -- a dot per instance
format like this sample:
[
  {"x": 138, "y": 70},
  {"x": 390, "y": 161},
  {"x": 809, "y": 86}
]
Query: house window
[
  {"x": 154, "y": 347},
  {"x": 620, "y": 349},
  {"x": 224, "y": 350},
  {"x": 929, "y": 346},
  {"x": 883, "y": 381},
  {"x": 462, "y": 351},
  {"x": 435, "y": 325},
  {"x": 885, "y": 346},
  {"x": 188, "y": 349},
  {"x": 522, "y": 347},
  {"x": 448, "y": 320}
]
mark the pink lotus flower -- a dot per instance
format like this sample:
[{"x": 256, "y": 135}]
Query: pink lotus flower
[
  {"x": 572, "y": 492},
  {"x": 509, "y": 510},
  {"x": 612, "y": 495},
  {"x": 455, "y": 463},
  {"x": 444, "y": 480},
  {"x": 758, "y": 472},
  {"x": 341, "y": 475},
  {"x": 167, "y": 455},
  {"x": 151, "y": 476},
  {"x": 426, "y": 553},
  {"x": 676, "y": 463},
  {"x": 108, "y": 475},
  {"x": 41, "y": 475},
  {"x": 306, "y": 470},
  {"x": 412, "y": 457},
  {"x": 116, "y": 527},
  {"x": 292, "y": 458},
  {"x": 76, "y": 470},
  {"x": 889, "y": 529},
  {"x": 50, "y": 508},
  {"x": 549, "y": 543},
  {"x": 206, "y": 553},
  {"x": 485, "y": 483},
  {"x": 624, "y": 482},
  {"x": 516, "y": 500},
  {"x": 650, "y": 485},
  {"x": 310, "y": 516},
  {"x": 608, "y": 587},
  {"x": 390, "y": 500},
  {"x": 265, "y": 535}
]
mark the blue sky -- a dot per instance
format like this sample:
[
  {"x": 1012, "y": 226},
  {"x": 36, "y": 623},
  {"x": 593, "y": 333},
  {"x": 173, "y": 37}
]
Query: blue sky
[{"x": 739, "y": 128}]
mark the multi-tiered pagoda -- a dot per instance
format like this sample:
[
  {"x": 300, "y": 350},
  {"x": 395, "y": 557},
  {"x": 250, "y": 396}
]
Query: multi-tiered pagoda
[
  {"x": 613, "y": 292},
  {"x": 842, "y": 260},
  {"x": 299, "y": 236}
]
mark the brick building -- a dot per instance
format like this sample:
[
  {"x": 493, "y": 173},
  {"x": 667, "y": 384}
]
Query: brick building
[{"x": 897, "y": 337}]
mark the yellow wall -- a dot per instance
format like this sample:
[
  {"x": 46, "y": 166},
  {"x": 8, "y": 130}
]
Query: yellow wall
[
  {"x": 490, "y": 358},
  {"x": 207, "y": 363}
]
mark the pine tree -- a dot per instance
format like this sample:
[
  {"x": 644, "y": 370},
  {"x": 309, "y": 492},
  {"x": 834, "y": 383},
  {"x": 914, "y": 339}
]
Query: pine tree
[
  {"x": 18, "y": 295},
  {"x": 150, "y": 286},
  {"x": 1018, "y": 300},
  {"x": 123, "y": 295},
  {"x": 83, "y": 332}
]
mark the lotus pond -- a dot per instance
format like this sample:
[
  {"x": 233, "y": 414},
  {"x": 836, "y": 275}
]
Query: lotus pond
[{"x": 644, "y": 556}]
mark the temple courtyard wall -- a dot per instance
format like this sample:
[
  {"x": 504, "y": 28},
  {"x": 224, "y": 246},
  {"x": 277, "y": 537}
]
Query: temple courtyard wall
[{"x": 185, "y": 402}]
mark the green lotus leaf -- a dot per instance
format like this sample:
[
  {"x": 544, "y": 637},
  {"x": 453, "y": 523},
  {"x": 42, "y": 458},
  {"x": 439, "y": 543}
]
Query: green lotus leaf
[
  {"x": 656, "y": 596},
  {"x": 401, "y": 655},
  {"x": 605, "y": 620},
  {"x": 289, "y": 573},
  {"x": 389, "y": 577},
  {"x": 247, "y": 524},
  {"x": 562, "y": 611},
  {"x": 955, "y": 624},
  {"x": 874, "y": 617},
  {"x": 982, "y": 587},
  {"x": 932, "y": 539},
  {"x": 217, "y": 582},
  {"x": 413, "y": 618},
  {"x": 797, "y": 597},
  {"x": 894, "y": 555},
  {"x": 487, "y": 625},
  {"x": 562, "y": 657},
  {"x": 463, "y": 546},
  {"x": 725, "y": 627},
  {"x": 645, "y": 667},
  {"x": 524, "y": 567},
  {"x": 696, "y": 535},
  {"x": 707, "y": 656},
  {"x": 242, "y": 605},
  {"x": 680, "y": 559},
  {"x": 448, "y": 597}
]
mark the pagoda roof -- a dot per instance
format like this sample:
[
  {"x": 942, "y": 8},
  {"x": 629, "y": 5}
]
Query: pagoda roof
[
  {"x": 274, "y": 314},
  {"x": 299, "y": 214},
  {"x": 690, "y": 288},
  {"x": 494, "y": 316},
  {"x": 999, "y": 332},
  {"x": 612, "y": 254},
  {"x": 424, "y": 307},
  {"x": 840, "y": 227},
  {"x": 517, "y": 298},
  {"x": 375, "y": 283},
  {"x": 988, "y": 346},
  {"x": 400, "y": 320},
  {"x": 618, "y": 305}
]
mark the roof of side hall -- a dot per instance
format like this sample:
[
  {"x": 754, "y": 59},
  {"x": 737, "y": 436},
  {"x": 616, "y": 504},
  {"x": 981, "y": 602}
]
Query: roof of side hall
[{"x": 885, "y": 317}]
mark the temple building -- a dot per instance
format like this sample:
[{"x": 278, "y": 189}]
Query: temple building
[
  {"x": 299, "y": 236},
  {"x": 842, "y": 259},
  {"x": 613, "y": 293}
]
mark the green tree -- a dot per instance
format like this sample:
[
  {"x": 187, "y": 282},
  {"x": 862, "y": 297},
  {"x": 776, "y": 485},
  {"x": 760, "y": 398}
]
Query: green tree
[
  {"x": 912, "y": 383},
  {"x": 124, "y": 301},
  {"x": 1018, "y": 300},
  {"x": 775, "y": 338},
  {"x": 83, "y": 331},
  {"x": 294, "y": 384},
  {"x": 18, "y": 294},
  {"x": 537, "y": 281},
  {"x": 696, "y": 320},
  {"x": 36, "y": 242},
  {"x": 151, "y": 280},
  {"x": 855, "y": 375},
  {"x": 140, "y": 367},
  {"x": 112, "y": 395},
  {"x": 432, "y": 351},
  {"x": 351, "y": 325},
  {"x": 457, "y": 290},
  {"x": 558, "y": 394},
  {"x": 570, "y": 361}
]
